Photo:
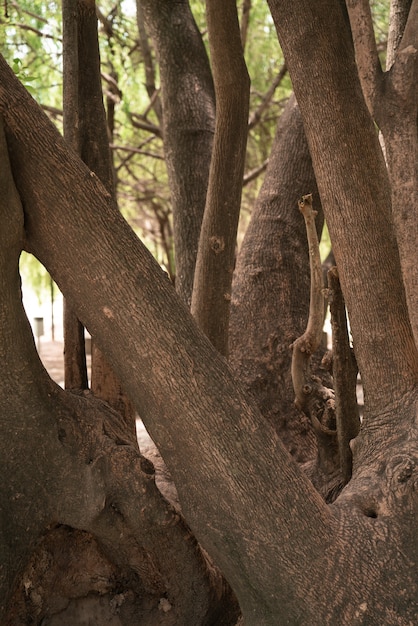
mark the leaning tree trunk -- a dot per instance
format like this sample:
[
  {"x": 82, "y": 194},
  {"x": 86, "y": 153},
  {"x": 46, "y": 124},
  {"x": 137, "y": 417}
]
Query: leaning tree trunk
[
  {"x": 251, "y": 507},
  {"x": 67, "y": 458}
]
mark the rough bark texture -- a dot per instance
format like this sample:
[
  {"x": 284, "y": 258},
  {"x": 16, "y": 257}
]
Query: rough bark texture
[
  {"x": 249, "y": 505},
  {"x": 225, "y": 471},
  {"x": 85, "y": 127},
  {"x": 355, "y": 193},
  {"x": 270, "y": 297},
  {"x": 217, "y": 244},
  {"x": 392, "y": 98},
  {"x": 255, "y": 512},
  {"x": 188, "y": 103},
  {"x": 75, "y": 366},
  {"x": 67, "y": 460}
]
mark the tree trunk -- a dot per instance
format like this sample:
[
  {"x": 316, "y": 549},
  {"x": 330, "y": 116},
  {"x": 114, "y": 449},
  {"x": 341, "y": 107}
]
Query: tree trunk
[
  {"x": 188, "y": 103},
  {"x": 75, "y": 365},
  {"x": 270, "y": 300},
  {"x": 249, "y": 505},
  {"x": 217, "y": 244},
  {"x": 355, "y": 195},
  {"x": 86, "y": 130},
  {"x": 67, "y": 457}
]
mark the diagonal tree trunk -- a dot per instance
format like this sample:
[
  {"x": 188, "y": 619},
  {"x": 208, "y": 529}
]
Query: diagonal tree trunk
[{"x": 67, "y": 459}]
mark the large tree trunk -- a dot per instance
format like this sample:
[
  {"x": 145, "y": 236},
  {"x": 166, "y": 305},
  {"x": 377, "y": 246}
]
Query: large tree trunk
[
  {"x": 247, "y": 502},
  {"x": 67, "y": 458},
  {"x": 271, "y": 286}
]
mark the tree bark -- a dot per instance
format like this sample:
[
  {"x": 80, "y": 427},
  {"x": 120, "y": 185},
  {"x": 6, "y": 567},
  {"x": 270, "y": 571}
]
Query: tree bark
[
  {"x": 75, "y": 365},
  {"x": 67, "y": 457},
  {"x": 85, "y": 127},
  {"x": 217, "y": 244},
  {"x": 392, "y": 98},
  {"x": 249, "y": 505},
  {"x": 270, "y": 296},
  {"x": 355, "y": 194},
  {"x": 188, "y": 103},
  {"x": 254, "y": 511}
]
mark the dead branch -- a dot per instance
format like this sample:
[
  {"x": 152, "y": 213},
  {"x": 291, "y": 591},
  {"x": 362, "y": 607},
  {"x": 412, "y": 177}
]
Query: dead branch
[{"x": 344, "y": 372}]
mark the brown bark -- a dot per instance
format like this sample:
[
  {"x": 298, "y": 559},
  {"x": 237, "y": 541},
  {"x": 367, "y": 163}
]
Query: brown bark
[
  {"x": 149, "y": 65},
  {"x": 248, "y": 503},
  {"x": 188, "y": 103},
  {"x": 220, "y": 482},
  {"x": 85, "y": 127},
  {"x": 392, "y": 98},
  {"x": 355, "y": 193},
  {"x": 216, "y": 255},
  {"x": 255, "y": 512},
  {"x": 75, "y": 365},
  {"x": 67, "y": 457},
  {"x": 270, "y": 300},
  {"x": 344, "y": 372}
]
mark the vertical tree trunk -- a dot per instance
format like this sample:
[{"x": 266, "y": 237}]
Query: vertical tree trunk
[
  {"x": 87, "y": 128},
  {"x": 217, "y": 244},
  {"x": 188, "y": 103},
  {"x": 270, "y": 297},
  {"x": 75, "y": 366}
]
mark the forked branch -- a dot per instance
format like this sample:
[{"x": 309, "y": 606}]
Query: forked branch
[
  {"x": 306, "y": 345},
  {"x": 312, "y": 397}
]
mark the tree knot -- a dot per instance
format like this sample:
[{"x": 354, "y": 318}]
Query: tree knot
[{"x": 217, "y": 244}]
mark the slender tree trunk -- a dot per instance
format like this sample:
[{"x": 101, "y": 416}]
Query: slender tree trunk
[
  {"x": 217, "y": 245},
  {"x": 75, "y": 366},
  {"x": 188, "y": 103},
  {"x": 87, "y": 129}
]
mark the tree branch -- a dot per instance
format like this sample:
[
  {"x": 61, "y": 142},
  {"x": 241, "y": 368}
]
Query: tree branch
[
  {"x": 257, "y": 114},
  {"x": 344, "y": 374},
  {"x": 398, "y": 16},
  {"x": 367, "y": 58},
  {"x": 216, "y": 254},
  {"x": 312, "y": 397}
]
